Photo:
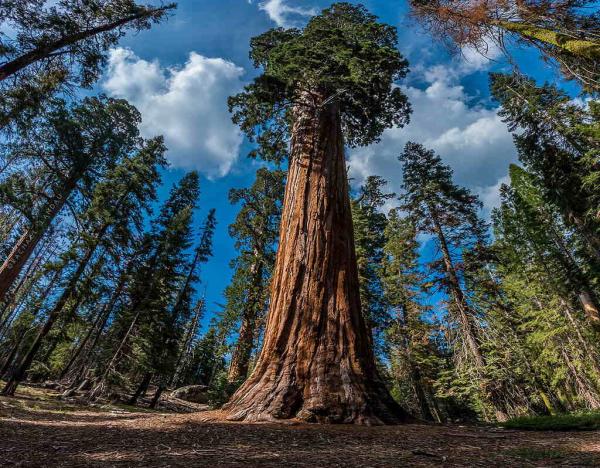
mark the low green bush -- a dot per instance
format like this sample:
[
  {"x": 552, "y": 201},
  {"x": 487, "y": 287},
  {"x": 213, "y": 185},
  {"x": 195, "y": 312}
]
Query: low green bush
[{"x": 581, "y": 421}]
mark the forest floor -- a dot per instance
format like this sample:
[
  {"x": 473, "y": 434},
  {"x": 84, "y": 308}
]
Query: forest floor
[{"x": 39, "y": 430}]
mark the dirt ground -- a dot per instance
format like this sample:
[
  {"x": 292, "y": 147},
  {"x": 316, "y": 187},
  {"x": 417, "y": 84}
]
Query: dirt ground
[{"x": 36, "y": 430}]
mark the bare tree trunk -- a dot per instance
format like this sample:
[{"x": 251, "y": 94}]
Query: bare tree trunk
[
  {"x": 187, "y": 343},
  {"x": 156, "y": 398},
  {"x": 26, "y": 281},
  {"x": 99, "y": 388},
  {"x": 316, "y": 363},
  {"x": 99, "y": 323},
  {"x": 46, "y": 50},
  {"x": 458, "y": 296},
  {"x": 141, "y": 390},
  {"x": 590, "y": 308},
  {"x": 238, "y": 368},
  {"x": 463, "y": 309},
  {"x": 67, "y": 294},
  {"x": 24, "y": 247}
]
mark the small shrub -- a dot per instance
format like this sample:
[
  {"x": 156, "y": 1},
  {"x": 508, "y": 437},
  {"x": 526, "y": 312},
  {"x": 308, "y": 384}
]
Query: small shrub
[{"x": 583, "y": 421}]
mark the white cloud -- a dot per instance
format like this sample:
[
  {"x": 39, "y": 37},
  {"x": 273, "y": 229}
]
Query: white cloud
[
  {"x": 283, "y": 14},
  {"x": 490, "y": 196},
  {"x": 471, "y": 139},
  {"x": 188, "y": 105},
  {"x": 473, "y": 60}
]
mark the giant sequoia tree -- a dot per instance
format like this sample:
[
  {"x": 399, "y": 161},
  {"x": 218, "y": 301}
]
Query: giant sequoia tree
[{"x": 326, "y": 85}]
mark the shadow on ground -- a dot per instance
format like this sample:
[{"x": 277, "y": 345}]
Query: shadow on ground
[{"x": 58, "y": 435}]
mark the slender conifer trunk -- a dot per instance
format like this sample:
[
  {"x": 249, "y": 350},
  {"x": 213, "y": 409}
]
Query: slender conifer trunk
[
  {"x": 27, "y": 242},
  {"x": 141, "y": 389},
  {"x": 99, "y": 387},
  {"x": 457, "y": 294},
  {"x": 240, "y": 360},
  {"x": 463, "y": 309},
  {"x": 186, "y": 347},
  {"x": 46, "y": 50},
  {"x": 67, "y": 294},
  {"x": 99, "y": 323},
  {"x": 316, "y": 363},
  {"x": 156, "y": 398}
]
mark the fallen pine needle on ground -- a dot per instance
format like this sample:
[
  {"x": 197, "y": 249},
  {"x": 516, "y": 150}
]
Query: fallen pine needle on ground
[{"x": 39, "y": 430}]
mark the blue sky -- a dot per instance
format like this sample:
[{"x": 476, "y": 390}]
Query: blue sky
[{"x": 180, "y": 73}]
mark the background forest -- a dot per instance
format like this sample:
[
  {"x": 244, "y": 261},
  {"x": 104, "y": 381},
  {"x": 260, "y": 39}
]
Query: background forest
[{"x": 133, "y": 264}]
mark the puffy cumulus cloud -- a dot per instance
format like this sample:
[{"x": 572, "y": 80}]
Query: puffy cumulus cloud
[
  {"x": 471, "y": 139},
  {"x": 188, "y": 105},
  {"x": 283, "y": 14}
]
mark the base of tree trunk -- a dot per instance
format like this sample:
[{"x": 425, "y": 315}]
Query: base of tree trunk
[
  {"x": 10, "y": 388},
  {"x": 349, "y": 405}
]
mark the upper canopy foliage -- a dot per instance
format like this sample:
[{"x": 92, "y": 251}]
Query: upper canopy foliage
[{"x": 342, "y": 56}]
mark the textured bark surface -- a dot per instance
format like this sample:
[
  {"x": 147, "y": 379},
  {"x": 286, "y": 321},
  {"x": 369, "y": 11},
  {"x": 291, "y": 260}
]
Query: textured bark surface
[
  {"x": 316, "y": 363},
  {"x": 590, "y": 308}
]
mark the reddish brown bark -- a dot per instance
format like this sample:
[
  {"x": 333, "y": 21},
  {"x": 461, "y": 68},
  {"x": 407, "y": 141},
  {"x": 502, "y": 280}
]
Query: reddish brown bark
[{"x": 317, "y": 363}]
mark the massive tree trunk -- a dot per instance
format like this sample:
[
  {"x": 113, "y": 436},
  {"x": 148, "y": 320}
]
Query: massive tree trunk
[{"x": 316, "y": 363}]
